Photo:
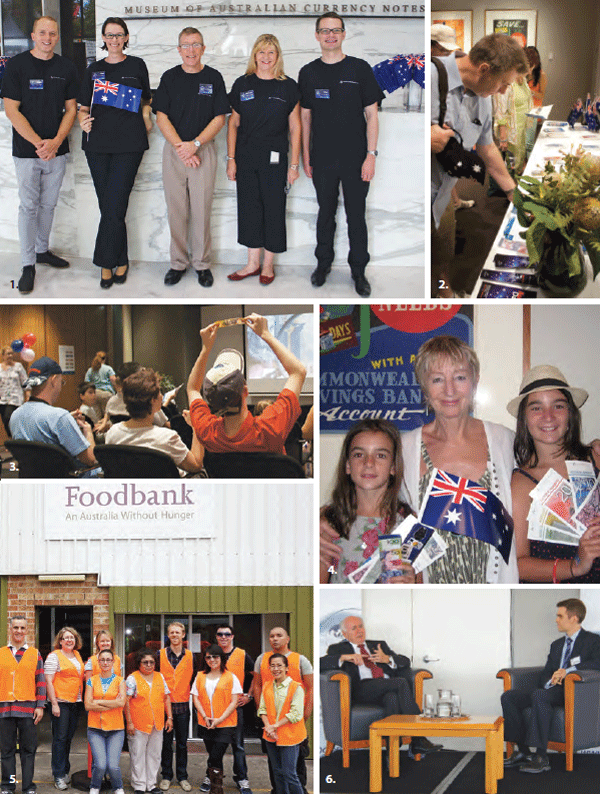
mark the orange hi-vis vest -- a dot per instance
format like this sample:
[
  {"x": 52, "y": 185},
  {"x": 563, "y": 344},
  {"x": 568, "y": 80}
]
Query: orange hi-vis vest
[
  {"x": 220, "y": 700},
  {"x": 293, "y": 732},
  {"x": 111, "y": 720},
  {"x": 147, "y": 708},
  {"x": 96, "y": 665},
  {"x": 235, "y": 664},
  {"x": 68, "y": 680},
  {"x": 17, "y": 679},
  {"x": 293, "y": 670},
  {"x": 178, "y": 678}
]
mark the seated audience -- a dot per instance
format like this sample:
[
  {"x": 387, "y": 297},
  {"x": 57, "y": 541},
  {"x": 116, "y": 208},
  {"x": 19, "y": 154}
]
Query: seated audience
[
  {"x": 116, "y": 410},
  {"x": 39, "y": 420},
  {"x": 143, "y": 399},
  {"x": 219, "y": 414}
]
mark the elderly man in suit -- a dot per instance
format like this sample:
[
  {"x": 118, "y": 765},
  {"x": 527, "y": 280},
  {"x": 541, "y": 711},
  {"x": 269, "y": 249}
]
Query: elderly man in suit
[
  {"x": 377, "y": 674},
  {"x": 579, "y": 650}
]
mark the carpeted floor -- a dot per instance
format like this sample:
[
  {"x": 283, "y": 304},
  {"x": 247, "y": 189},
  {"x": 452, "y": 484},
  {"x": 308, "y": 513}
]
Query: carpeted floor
[{"x": 428, "y": 776}]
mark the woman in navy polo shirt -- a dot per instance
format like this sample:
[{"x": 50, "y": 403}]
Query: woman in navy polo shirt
[
  {"x": 114, "y": 141},
  {"x": 265, "y": 119}
]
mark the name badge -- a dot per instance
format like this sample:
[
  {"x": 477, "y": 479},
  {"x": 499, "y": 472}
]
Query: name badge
[
  {"x": 205, "y": 88},
  {"x": 246, "y": 95},
  {"x": 36, "y": 85},
  {"x": 274, "y": 158},
  {"x": 98, "y": 76},
  {"x": 322, "y": 93},
  {"x": 575, "y": 660}
]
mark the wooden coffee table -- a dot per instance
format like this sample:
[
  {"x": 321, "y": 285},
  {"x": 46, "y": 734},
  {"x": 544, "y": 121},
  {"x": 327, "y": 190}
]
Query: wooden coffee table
[{"x": 398, "y": 725}]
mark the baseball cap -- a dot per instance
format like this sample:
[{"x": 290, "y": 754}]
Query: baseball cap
[
  {"x": 40, "y": 370},
  {"x": 224, "y": 383}
]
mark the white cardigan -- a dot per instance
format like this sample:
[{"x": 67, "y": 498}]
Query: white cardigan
[{"x": 500, "y": 445}]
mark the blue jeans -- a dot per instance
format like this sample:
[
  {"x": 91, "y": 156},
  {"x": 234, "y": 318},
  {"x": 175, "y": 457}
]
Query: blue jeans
[
  {"x": 106, "y": 749},
  {"x": 240, "y": 767},
  {"x": 63, "y": 730},
  {"x": 283, "y": 760}
]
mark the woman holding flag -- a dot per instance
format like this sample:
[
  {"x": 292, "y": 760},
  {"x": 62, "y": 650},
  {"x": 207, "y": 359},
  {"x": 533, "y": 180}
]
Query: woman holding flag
[
  {"x": 115, "y": 119},
  {"x": 477, "y": 455}
]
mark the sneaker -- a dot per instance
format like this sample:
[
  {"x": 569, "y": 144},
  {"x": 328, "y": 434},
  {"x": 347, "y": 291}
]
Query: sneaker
[
  {"x": 205, "y": 785},
  {"x": 244, "y": 786},
  {"x": 60, "y": 783},
  {"x": 185, "y": 785},
  {"x": 537, "y": 763},
  {"x": 164, "y": 784},
  {"x": 25, "y": 286},
  {"x": 94, "y": 791},
  {"x": 118, "y": 791}
]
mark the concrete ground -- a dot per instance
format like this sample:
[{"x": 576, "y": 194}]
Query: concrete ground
[{"x": 258, "y": 773}]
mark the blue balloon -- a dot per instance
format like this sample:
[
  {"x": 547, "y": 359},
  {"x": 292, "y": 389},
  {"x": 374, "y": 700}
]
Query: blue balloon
[{"x": 17, "y": 345}]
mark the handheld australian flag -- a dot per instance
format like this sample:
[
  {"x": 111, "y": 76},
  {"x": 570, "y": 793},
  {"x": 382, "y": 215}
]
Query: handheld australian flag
[
  {"x": 117, "y": 96},
  {"x": 458, "y": 505}
]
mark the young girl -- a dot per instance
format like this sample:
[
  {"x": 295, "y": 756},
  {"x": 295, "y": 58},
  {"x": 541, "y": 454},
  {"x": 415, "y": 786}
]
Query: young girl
[
  {"x": 364, "y": 502},
  {"x": 548, "y": 434}
]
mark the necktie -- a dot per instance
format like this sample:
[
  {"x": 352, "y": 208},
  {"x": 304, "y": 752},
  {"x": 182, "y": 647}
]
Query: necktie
[
  {"x": 376, "y": 671},
  {"x": 566, "y": 653}
]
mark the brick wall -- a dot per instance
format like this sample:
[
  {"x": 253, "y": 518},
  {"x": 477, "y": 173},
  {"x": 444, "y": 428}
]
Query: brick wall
[{"x": 25, "y": 593}]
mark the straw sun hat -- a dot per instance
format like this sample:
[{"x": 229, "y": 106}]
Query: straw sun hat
[{"x": 545, "y": 378}]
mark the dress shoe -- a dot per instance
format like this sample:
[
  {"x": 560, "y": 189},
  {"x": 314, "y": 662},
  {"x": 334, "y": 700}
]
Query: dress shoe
[
  {"x": 319, "y": 275},
  {"x": 362, "y": 286},
  {"x": 536, "y": 764},
  {"x": 173, "y": 277},
  {"x": 517, "y": 759},
  {"x": 266, "y": 279},
  {"x": 205, "y": 278},
  {"x": 121, "y": 279},
  {"x": 48, "y": 258},
  {"x": 25, "y": 284},
  {"x": 106, "y": 283},
  {"x": 239, "y": 277},
  {"x": 422, "y": 746}
]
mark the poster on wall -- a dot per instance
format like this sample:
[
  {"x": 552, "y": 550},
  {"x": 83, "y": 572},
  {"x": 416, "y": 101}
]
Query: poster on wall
[
  {"x": 462, "y": 24},
  {"x": 521, "y": 25},
  {"x": 367, "y": 354}
]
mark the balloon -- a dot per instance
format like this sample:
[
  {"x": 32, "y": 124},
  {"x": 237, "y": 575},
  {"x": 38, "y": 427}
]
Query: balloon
[
  {"x": 27, "y": 354},
  {"x": 29, "y": 339},
  {"x": 17, "y": 345}
]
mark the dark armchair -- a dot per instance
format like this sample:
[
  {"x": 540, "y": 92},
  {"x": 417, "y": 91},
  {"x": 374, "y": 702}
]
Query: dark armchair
[
  {"x": 122, "y": 461},
  {"x": 347, "y": 725},
  {"x": 38, "y": 460},
  {"x": 252, "y": 465},
  {"x": 576, "y": 726}
]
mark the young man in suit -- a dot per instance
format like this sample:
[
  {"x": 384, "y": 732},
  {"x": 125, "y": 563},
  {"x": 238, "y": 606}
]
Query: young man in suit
[
  {"x": 580, "y": 650},
  {"x": 377, "y": 674}
]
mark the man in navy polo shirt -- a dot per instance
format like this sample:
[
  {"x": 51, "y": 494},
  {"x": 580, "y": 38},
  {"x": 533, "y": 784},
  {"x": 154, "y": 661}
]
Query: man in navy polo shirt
[
  {"x": 338, "y": 107},
  {"x": 39, "y": 89}
]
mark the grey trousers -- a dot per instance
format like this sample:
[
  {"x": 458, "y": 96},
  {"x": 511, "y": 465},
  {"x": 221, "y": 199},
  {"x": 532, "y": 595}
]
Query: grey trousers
[
  {"x": 189, "y": 195},
  {"x": 39, "y": 184}
]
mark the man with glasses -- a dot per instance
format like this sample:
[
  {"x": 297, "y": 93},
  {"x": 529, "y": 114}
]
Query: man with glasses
[
  {"x": 40, "y": 420},
  {"x": 339, "y": 96},
  {"x": 177, "y": 665},
  {"x": 190, "y": 105},
  {"x": 22, "y": 700},
  {"x": 241, "y": 664},
  {"x": 300, "y": 670},
  {"x": 39, "y": 90}
]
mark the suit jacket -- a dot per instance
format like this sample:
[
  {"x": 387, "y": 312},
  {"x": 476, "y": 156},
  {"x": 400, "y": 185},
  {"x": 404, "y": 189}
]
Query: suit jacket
[
  {"x": 586, "y": 647},
  {"x": 332, "y": 660}
]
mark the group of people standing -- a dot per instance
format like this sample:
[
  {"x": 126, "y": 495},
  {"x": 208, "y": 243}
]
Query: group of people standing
[
  {"x": 382, "y": 478},
  {"x": 152, "y": 704},
  {"x": 330, "y": 116}
]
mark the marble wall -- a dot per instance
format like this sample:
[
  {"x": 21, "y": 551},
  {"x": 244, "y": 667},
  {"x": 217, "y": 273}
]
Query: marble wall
[{"x": 396, "y": 198}]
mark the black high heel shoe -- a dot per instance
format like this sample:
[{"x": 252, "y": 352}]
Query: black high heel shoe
[
  {"x": 106, "y": 283},
  {"x": 123, "y": 278}
]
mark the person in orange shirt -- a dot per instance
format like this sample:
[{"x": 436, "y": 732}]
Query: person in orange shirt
[
  {"x": 220, "y": 415},
  {"x": 215, "y": 695},
  {"x": 104, "y": 702},
  {"x": 147, "y": 702},
  {"x": 281, "y": 709},
  {"x": 103, "y": 642},
  {"x": 22, "y": 700},
  {"x": 64, "y": 680}
]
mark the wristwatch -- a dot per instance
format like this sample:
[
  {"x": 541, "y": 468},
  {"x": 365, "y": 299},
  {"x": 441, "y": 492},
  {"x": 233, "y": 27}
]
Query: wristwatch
[
  {"x": 374, "y": 152},
  {"x": 197, "y": 143}
]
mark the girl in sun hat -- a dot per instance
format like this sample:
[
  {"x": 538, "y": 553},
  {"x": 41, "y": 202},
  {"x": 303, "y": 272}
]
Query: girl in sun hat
[{"x": 548, "y": 434}]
